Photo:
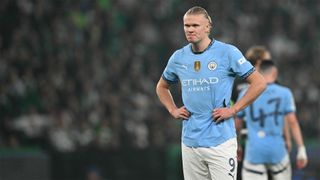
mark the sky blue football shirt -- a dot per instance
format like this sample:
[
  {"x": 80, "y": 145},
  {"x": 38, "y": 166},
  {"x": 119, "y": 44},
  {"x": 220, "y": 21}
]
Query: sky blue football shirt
[
  {"x": 206, "y": 81},
  {"x": 265, "y": 123}
]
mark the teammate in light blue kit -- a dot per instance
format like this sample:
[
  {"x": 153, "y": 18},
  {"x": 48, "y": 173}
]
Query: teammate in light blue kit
[
  {"x": 206, "y": 69},
  {"x": 265, "y": 118}
]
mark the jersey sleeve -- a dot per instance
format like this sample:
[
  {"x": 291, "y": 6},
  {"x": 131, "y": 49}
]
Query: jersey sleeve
[
  {"x": 289, "y": 104},
  {"x": 239, "y": 64},
  {"x": 169, "y": 73}
]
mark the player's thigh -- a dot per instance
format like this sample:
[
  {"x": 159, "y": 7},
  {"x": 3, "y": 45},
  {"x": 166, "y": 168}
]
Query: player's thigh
[
  {"x": 282, "y": 170},
  {"x": 254, "y": 171},
  {"x": 222, "y": 160},
  {"x": 194, "y": 168}
]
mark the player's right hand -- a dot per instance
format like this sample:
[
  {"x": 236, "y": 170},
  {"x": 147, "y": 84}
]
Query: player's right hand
[{"x": 180, "y": 113}]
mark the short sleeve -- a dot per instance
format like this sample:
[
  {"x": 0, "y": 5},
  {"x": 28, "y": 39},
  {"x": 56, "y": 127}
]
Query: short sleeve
[
  {"x": 289, "y": 104},
  {"x": 169, "y": 73},
  {"x": 239, "y": 64}
]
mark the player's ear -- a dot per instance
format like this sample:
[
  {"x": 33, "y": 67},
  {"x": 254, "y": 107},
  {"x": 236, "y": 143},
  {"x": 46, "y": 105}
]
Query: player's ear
[
  {"x": 275, "y": 73},
  {"x": 209, "y": 27}
]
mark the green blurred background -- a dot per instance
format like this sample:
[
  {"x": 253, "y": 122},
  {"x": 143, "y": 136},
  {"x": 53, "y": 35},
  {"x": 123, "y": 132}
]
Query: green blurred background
[{"x": 77, "y": 94}]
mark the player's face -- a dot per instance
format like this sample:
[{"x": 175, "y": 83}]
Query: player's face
[{"x": 196, "y": 27}]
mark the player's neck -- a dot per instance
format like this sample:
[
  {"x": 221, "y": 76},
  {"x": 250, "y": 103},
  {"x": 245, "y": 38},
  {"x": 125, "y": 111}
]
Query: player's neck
[
  {"x": 269, "y": 79},
  {"x": 202, "y": 45}
]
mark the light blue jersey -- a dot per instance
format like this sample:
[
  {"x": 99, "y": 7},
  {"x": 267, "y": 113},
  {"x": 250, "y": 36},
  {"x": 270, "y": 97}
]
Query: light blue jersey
[
  {"x": 265, "y": 123},
  {"x": 206, "y": 81}
]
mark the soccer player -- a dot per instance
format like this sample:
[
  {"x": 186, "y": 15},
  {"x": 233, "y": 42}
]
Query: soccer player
[
  {"x": 206, "y": 69},
  {"x": 265, "y": 118},
  {"x": 255, "y": 54}
]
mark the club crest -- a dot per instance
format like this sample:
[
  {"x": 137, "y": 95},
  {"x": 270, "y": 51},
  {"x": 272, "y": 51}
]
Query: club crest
[
  {"x": 197, "y": 65},
  {"x": 212, "y": 65}
]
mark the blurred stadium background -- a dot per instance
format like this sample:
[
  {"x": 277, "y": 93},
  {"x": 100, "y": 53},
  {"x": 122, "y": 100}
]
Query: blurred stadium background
[{"x": 77, "y": 96}]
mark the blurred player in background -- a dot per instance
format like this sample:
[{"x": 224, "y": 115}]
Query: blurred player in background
[
  {"x": 255, "y": 54},
  {"x": 206, "y": 69},
  {"x": 265, "y": 118}
]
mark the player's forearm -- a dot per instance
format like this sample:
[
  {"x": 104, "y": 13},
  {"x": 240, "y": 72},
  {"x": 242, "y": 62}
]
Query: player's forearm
[
  {"x": 165, "y": 98},
  {"x": 302, "y": 157},
  {"x": 257, "y": 86},
  {"x": 287, "y": 136},
  {"x": 296, "y": 131}
]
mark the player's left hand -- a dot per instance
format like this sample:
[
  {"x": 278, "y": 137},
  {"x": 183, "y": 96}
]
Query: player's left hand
[
  {"x": 301, "y": 163},
  {"x": 302, "y": 158},
  {"x": 220, "y": 114}
]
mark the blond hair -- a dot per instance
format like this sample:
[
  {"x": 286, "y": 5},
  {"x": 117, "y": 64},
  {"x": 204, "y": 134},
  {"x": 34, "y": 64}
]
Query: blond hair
[
  {"x": 197, "y": 10},
  {"x": 256, "y": 53}
]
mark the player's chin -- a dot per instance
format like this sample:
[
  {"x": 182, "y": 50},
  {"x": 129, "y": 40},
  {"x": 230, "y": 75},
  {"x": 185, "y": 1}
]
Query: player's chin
[{"x": 191, "y": 39}]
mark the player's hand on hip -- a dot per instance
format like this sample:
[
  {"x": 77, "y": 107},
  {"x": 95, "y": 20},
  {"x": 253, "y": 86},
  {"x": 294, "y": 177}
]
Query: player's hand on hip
[
  {"x": 180, "y": 113},
  {"x": 220, "y": 114}
]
